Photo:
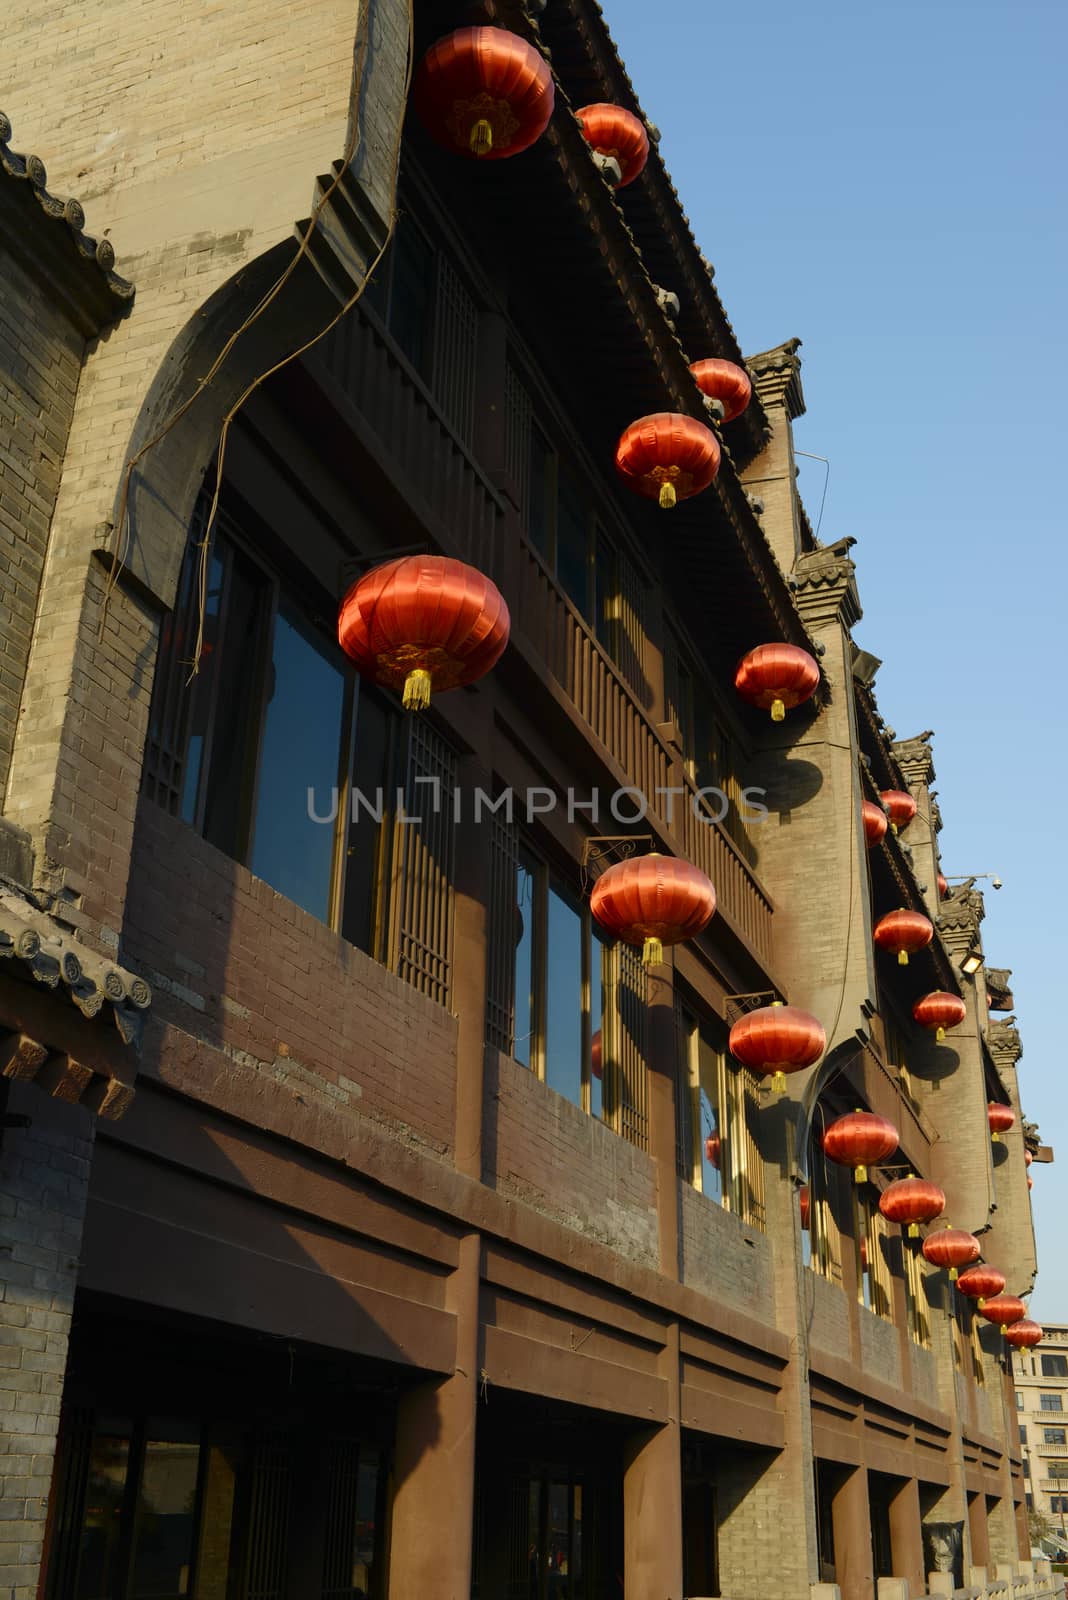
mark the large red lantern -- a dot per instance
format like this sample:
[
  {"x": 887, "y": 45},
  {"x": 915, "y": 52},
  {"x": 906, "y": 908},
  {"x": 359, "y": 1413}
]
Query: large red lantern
[
  {"x": 911, "y": 1201},
  {"x": 980, "y": 1283},
  {"x": 618, "y": 133},
  {"x": 1001, "y": 1119},
  {"x": 804, "y": 1203},
  {"x": 1028, "y": 1158},
  {"x": 777, "y": 677},
  {"x": 667, "y": 457},
  {"x": 943, "y": 885},
  {"x": 1024, "y": 1334},
  {"x": 1003, "y": 1309},
  {"x": 1030, "y": 1183},
  {"x": 952, "y": 1248},
  {"x": 901, "y": 808},
  {"x": 653, "y": 900},
  {"x": 597, "y": 1055},
  {"x": 939, "y": 1010},
  {"x": 423, "y": 623},
  {"x": 724, "y": 381},
  {"x": 713, "y": 1148},
  {"x": 875, "y": 822},
  {"x": 903, "y": 933},
  {"x": 777, "y": 1039},
  {"x": 860, "y": 1140},
  {"x": 484, "y": 92}
]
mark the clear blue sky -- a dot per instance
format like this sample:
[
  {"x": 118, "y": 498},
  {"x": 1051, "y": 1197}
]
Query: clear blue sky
[{"x": 888, "y": 183}]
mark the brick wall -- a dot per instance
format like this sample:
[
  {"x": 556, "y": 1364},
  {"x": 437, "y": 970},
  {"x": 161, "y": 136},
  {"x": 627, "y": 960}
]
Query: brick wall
[
  {"x": 925, "y": 1375},
  {"x": 40, "y": 359},
  {"x": 543, "y": 1150},
  {"x": 724, "y": 1257},
  {"x": 44, "y": 1180},
  {"x": 880, "y": 1348},
  {"x": 236, "y": 964},
  {"x": 828, "y": 1327}
]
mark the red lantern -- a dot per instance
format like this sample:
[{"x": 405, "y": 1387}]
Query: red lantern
[
  {"x": 777, "y": 1039},
  {"x": 1001, "y": 1119},
  {"x": 903, "y": 933},
  {"x": 875, "y": 822},
  {"x": 804, "y": 1205},
  {"x": 901, "y": 808},
  {"x": 1028, "y": 1158},
  {"x": 653, "y": 900},
  {"x": 723, "y": 381},
  {"x": 712, "y": 1150},
  {"x": 777, "y": 677},
  {"x": 424, "y": 622},
  {"x": 1024, "y": 1334},
  {"x": 596, "y": 1055},
  {"x": 1003, "y": 1309},
  {"x": 1030, "y": 1183},
  {"x": 860, "y": 1140},
  {"x": 667, "y": 457},
  {"x": 943, "y": 886},
  {"x": 939, "y": 1010},
  {"x": 952, "y": 1248},
  {"x": 979, "y": 1283},
  {"x": 615, "y": 132},
  {"x": 912, "y": 1200},
  {"x": 484, "y": 92}
]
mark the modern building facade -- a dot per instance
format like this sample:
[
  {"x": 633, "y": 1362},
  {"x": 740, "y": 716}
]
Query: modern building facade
[
  {"x": 377, "y": 1228},
  {"x": 1041, "y": 1380}
]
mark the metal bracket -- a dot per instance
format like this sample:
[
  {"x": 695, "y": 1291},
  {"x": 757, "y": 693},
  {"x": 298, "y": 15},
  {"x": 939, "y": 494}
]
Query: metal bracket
[
  {"x": 607, "y": 848},
  {"x": 737, "y": 1005}
]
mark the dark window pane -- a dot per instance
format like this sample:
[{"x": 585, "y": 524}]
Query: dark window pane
[
  {"x": 525, "y": 886},
  {"x": 712, "y": 1133},
  {"x": 412, "y": 298},
  {"x": 1055, "y": 1366},
  {"x": 572, "y": 543},
  {"x": 102, "y": 1520},
  {"x": 233, "y": 767},
  {"x": 539, "y": 511},
  {"x": 563, "y": 999},
  {"x": 606, "y": 595},
  {"x": 598, "y": 968},
  {"x": 203, "y": 685},
  {"x": 369, "y": 823},
  {"x": 301, "y": 748},
  {"x": 166, "y": 1509}
]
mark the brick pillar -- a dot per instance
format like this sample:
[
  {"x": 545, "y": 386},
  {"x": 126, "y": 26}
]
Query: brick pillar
[
  {"x": 44, "y": 1182},
  {"x": 851, "y": 1516},
  {"x": 978, "y": 1530},
  {"x": 652, "y": 1510},
  {"x": 906, "y": 1535},
  {"x": 433, "y": 1508}
]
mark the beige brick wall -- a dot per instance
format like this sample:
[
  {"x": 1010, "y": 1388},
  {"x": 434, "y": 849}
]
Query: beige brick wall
[{"x": 724, "y": 1257}]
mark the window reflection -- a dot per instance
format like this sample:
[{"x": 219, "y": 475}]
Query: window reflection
[
  {"x": 109, "y": 1460},
  {"x": 563, "y": 992},
  {"x": 165, "y": 1519}
]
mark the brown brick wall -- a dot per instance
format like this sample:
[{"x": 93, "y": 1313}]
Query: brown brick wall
[
  {"x": 235, "y": 964},
  {"x": 880, "y": 1348},
  {"x": 567, "y": 1165},
  {"x": 724, "y": 1257},
  {"x": 40, "y": 359},
  {"x": 829, "y": 1315}
]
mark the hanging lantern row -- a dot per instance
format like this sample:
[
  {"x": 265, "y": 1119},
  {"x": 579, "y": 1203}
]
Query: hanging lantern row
[
  {"x": 939, "y": 1010},
  {"x": 860, "y": 1140},
  {"x": 484, "y": 93},
  {"x": 900, "y": 808},
  {"x": 911, "y": 1201},
  {"x": 423, "y": 623},
  {"x": 1001, "y": 1118},
  {"x": 1024, "y": 1335},
  {"x": 653, "y": 901},
  {"x": 952, "y": 1248},
  {"x": 724, "y": 381},
  {"x": 776, "y": 678},
  {"x": 981, "y": 1283},
  {"x": 617, "y": 134},
  {"x": 875, "y": 822},
  {"x": 667, "y": 457},
  {"x": 902, "y": 933},
  {"x": 777, "y": 1039},
  {"x": 1002, "y": 1309}
]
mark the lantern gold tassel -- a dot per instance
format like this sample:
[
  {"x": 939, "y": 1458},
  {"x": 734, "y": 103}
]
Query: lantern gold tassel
[
  {"x": 652, "y": 952},
  {"x": 914, "y": 1230},
  {"x": 481, "y": 138},
  {"x": 860, "y": 1175},
  {"x": 953, "y": 1274},
  {"x": 902, "y": 958},
  {"x": 981, "y": 1302},
  {"x": 668, "y": 497},
  {"x": 940, "y": 1035},
  {"x": 995, "y": 1137},
  {"x": 778, "y": 711},
  {"x": 778, "y": 1083},
  {"x": 416, "y": 689}
]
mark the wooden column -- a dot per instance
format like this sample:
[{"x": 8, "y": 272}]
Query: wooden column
[
  {"x": 851, "y": 1516},
  {"x": 906, "y": 1535},
  {"x": 978, "y": 1530}
]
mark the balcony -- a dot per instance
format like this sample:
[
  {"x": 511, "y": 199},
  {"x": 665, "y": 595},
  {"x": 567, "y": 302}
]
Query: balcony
[{"x": 1056, "y": 1451}]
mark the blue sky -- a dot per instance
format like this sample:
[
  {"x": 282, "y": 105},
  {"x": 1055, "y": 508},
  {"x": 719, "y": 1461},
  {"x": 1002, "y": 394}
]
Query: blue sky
[{"x": 888, "y": 183}]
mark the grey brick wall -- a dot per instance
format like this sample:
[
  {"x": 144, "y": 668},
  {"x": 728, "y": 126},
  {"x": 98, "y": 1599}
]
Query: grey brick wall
[
  {"x": 724, "y": 1257},
  {"x": 40, "y": 360},
  {"x": 44, "y": 1181}
]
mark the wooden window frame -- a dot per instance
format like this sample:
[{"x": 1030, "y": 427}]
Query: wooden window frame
[
  {"x": 916, "y": 1310},
  {"x": 737, "y": 1106}
]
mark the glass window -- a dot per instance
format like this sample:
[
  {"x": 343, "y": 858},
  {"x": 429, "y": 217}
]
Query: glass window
[
  {"x": 411, "y": 303},
  {"x": 573, "y": 543},
  {"x": 1054, "y": 1366},
  {"x": 1051, "y": 1402},
  {"x": 525, "y": 972},
  {"x": 1051, "y": 1435},
  {"x": 227, "y": 796},
  {"x": 101, "y": 1532},
  {"x": 300, "y": 750},
  {"x": 714, "y": 1147},
  {"x": 542, "y": 493},
  {"x": 370, "y": 822},
  {"x": 563, "y": 997},
  {"x": 165, "y": 1519}
]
